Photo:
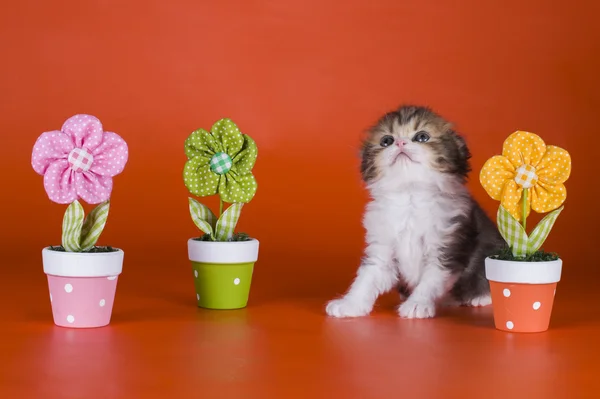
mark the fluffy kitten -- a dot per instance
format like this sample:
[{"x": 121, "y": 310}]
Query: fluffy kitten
[{"x": 426, "y": 235}]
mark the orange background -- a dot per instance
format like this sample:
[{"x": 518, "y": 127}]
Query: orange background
[{"x": 304, "y": 79}]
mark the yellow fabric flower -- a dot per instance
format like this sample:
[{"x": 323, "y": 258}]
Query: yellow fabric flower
[{"x": 526, "y": 162}]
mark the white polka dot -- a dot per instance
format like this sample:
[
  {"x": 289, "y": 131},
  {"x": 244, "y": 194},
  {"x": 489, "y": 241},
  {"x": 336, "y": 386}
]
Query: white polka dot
[
  {"x": 536, "y": 305},
  {"x": 111, "y": 278},
  {"x": 236, "y": 281},
  {"x": 50, "y": 297},
  {"x": 506, "y": 292},
  {"x": 68, "y": 288},
  {"x": 510, "y": 325},
  {"x": 198, "y": 296},
  {"x": 102, "y": 302},
  {"x": 70, "y": 319},
  {"x": 196, "y": 273}
]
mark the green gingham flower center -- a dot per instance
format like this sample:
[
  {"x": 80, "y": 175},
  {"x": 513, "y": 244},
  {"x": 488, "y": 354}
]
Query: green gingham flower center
[{"x": 221, "y": 163}]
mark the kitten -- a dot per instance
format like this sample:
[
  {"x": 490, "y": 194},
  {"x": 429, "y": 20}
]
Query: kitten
[{"x": 426, "y": 235}]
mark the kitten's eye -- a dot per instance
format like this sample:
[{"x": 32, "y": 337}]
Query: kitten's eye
[
  {"x": 386, "y": 141},
  {"x": 421, "y": 137}
]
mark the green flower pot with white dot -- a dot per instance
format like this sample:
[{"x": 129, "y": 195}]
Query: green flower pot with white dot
[{"x": 222, "y": 272}]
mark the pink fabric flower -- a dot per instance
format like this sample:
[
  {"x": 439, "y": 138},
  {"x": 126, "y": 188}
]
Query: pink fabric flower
[{"x": 79, "y": 161}]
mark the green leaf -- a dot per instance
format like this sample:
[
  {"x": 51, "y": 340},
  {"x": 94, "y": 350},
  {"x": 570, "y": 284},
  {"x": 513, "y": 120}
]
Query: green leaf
[
  {"x": 93, "y": 225},
  {"x": 513, "y": 233},
  {"x": 541, "y": 231},
  {"x": 202, "y": 216},
  {"x": 71, "y": 228},
  {"x": 227, "y": 222}
]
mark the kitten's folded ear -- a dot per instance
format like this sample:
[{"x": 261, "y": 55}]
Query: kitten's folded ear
[
  {"x": 462, "y": 164},
  {"x": 461, "y": 144}
]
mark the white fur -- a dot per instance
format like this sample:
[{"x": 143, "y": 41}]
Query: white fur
[
  {"x": 408, "y": 222},
  {"x": 479, "y": 301}
]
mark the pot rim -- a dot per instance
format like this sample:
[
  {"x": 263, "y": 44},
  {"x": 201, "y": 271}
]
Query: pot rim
[
  {"x": 223, "y": 252},
  {"x": 83, "y": 253},
  {"x": 80, "y": 264},
  {"x": 223, "y": 242},
  {"x": 519, "y": 272}
]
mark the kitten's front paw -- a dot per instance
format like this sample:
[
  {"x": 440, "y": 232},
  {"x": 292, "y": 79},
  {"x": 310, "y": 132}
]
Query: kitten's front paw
[
  {"x": 416, "y": 310},
  {"x": 483, "y": 300},
  {"x": 344, "y": 307}
]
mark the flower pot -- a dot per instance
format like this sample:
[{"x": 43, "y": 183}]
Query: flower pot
[
  {"x": 222, "y": 272},
  {"x": 522, "y": 293},
  {"x": 82, "y": 286}
]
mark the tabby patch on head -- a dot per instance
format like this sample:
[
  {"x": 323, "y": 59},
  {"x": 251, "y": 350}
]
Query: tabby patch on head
[{"x": 410, "y": 139}]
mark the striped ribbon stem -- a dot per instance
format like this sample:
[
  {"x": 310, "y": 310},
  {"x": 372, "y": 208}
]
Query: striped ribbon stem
[{"x": 524, "y": 209}]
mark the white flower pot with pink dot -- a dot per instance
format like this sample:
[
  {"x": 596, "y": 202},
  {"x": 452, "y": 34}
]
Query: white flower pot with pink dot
[
  {"x": 82, "y": 286},
  {"x": 522, "y": 293}
]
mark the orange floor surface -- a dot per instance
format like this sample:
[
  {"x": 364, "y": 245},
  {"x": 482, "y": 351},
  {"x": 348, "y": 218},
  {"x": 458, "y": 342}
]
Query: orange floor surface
[{"x": 160, "y": 345}]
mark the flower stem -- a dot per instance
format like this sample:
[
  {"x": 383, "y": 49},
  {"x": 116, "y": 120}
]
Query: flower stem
[
  {"x": 524, "y": 209},
  {"x": 220, "y": 206}
]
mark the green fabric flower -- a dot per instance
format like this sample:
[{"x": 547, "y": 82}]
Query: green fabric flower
[{"x": 221, "y": 162}]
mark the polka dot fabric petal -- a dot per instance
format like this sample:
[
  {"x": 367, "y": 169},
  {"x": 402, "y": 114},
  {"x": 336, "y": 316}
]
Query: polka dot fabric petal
[
  {"x": 244, "y": 161},
  {"x": 523, "y": 148},
  {"x": 48, "y": 148},
  {"x": 511, "y": 199},
  {"x": 496, "y": 172},
  {"x": 201, "y": 144},
  {"x": 85, "y": 131},
  {"x": 546, "y": 197},
  {"x": 93, "y": 189},
  {"x": 79, "y": 161},
  {"x": 58, "y": 182},
  {"x": 228, "y": 135},
  {"x": 198, "y": 177},
  {"x": 555, "y": 166},
  {"x": 238, "y": 189},
  {"x": 110, "y": 156},
  {"x": 221, "y": 162},
  {"x": 527, "y": 162}
]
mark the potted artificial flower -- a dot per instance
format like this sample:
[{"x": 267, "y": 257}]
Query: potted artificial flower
[
  {"x": 220, "y": 162},
  {"x": 523, "y": 278},
  {"x": 79, "y": 162}
]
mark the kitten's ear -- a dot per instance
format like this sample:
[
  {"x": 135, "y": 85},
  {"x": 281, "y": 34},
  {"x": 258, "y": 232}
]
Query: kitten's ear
[
  {"x": 461, "y": 145},
  {"x": 463, "y": 153}
]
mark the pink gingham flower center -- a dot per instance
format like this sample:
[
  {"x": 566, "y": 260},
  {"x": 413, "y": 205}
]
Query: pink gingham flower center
[{"x": 80, "y": 160}]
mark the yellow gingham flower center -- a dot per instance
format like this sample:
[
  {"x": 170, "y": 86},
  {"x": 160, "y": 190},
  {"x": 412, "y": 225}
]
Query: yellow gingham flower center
[{"x": 526, "y": 176}]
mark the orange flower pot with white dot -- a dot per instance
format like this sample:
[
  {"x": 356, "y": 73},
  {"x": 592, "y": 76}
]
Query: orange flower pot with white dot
[
  {"x": 523, "y": 279},
  {"x": 522, "y": 293}
]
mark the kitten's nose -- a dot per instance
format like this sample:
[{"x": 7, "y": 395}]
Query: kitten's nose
[{"x": 401, "y": 143}]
